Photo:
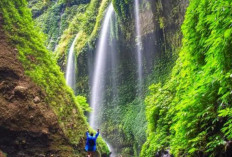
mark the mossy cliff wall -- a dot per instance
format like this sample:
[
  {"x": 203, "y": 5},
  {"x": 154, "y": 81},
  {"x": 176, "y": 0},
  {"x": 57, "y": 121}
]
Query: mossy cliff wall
[
  {"x": 188, "y": 110},
  {"x": 160, "y": 26},
  {"x": 190, "y": 113},
  {"x": 53, "y": 17},
  {"x": 39, "y": 113},
  {"x": 125, "y": 125}
]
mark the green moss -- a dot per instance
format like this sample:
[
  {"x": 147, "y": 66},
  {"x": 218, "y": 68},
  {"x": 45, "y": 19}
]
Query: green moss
[
  {"x": 161, "y": 22},
  {"x": 190, "y": 113},
  {"x": 83, "y": 104},
  {"x": 54, "y": 17},
  {"x": 101, "y": 13},
  {"x": 87, "y": 25},
  {"x": 123, "y": 8},
  {"x": 42, "y": 69}
]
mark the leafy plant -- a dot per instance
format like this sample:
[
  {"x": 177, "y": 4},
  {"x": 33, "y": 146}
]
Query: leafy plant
[{"x": 190, "y": 114}]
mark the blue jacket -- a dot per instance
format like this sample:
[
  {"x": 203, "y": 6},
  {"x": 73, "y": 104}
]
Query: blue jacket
[{"x": 87, "y": 146}]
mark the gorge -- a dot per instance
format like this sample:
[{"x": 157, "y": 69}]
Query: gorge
[{"x": 153, "y": 75}]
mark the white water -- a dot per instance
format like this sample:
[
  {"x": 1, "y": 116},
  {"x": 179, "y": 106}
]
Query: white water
[
  {"x": 97, "y": 90},
  {"x": 99, "y": 69},
  {"x": 113, "y": 154},
  {"x": 138, "y": 47},
  {"x": 112, "y": 73},
  {"x": 71, "y": 66}
]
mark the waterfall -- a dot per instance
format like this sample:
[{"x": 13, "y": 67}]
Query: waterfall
[
  {"x": 70, "y": 69},
  {"x": 138, "y": 48},
  {"x": 101, "y": 67}
]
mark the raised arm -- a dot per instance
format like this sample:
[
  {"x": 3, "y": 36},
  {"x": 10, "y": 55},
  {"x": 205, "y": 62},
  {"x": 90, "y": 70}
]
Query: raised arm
[
  {"x": 97, "y": 133},
  {"x": 87, "y": 133}
]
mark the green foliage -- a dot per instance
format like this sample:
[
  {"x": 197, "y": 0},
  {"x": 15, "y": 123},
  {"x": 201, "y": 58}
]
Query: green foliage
[
  {"x": 76, "y": 2},
  {"x": 123, "y": 8},
  {"x": 83, "y": 103},
  {"x": 96, "y": 29},
  {"x": 134, "y": 123},
  {"x": 87, "y": 24},
  {"x": 124, "y": 121},
  {"x": 40, "y": 66},
  {"x": 53, "y": 18},
  {"x": 191, "y": 113}
]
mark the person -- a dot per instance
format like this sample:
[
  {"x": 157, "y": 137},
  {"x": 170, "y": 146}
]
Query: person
[{"x": 91, "y": 144}]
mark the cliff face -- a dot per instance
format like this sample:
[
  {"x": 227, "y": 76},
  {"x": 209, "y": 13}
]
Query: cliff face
[
  {"x": 28, "y": 126},
  {"x": 124, "y": 126},
  {"x": 188, "y": 111},
  {"x": 40, "y": 115},
  {"x": 188, "y": 114},
  {"x": 162, "y": 37},
  {"x": 161, "y": 22},
  {"x": 55, "y": 16}
]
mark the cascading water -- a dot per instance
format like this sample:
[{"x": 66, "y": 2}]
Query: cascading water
[
  {"x": 70, "y": 70},
  {"x": 100, "y": 69},
  {"x": 111, "y": 84},
  {"x": 138, "y": 48}
]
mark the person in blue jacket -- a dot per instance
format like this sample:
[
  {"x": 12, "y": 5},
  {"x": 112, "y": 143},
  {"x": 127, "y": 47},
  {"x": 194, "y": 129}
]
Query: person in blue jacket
[{"x": 91, "y": 144}]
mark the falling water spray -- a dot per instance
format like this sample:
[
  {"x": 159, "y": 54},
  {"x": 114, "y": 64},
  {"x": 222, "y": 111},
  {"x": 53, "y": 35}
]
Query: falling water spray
[
  {"x": 99, "y": 70},
  {"x": 138, "y": 48},
  {"x": 70, "y": 70}
]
